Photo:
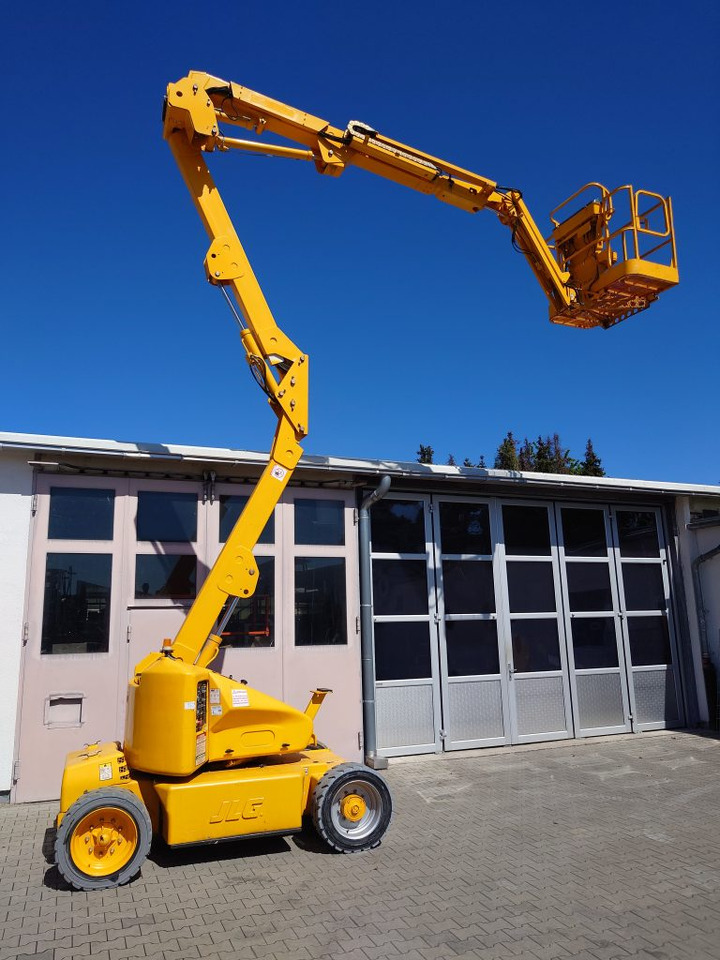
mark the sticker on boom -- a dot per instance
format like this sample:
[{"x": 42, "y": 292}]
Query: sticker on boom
[
  {"x": 240, "y": 698},
  {"x": 279, "y": 473}
]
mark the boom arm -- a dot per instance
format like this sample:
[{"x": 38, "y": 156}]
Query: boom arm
[
  {"x": 590, "y": 275},
  {"x": 281, "y": 370}
]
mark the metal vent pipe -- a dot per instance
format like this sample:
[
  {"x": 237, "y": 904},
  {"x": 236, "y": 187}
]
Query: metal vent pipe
[{"x": 367, "y": 652}]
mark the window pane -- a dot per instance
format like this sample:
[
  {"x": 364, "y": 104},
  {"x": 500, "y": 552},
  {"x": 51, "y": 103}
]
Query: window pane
[
  {"x": 79, "y": 513},
  {"x": 465, "y": 528},
  {"x": 527, "y": 532},
  {"x": 169, "y": 517},
  {"x": 169, "y": 577},
  {"x": 399, "y": 587},
  {"x": 594, "y": 642},
  {"x": 535, "y": 645},
  {"x": 320, "y": 613},
  {"x": 637, "y": 533},
  {"x": 531, "y": 587},
  {"x": 584, "y": 533},
  {"x": 589, "y": 586},
  {"x": 398, "y": 526},
  {"x": 649, "y": 641},
  {"x": 320, "y": 522},
  {"x": 253, "y": 621},
  {"x": 402, "y": 651},
  {"x": 472, "y": 647},
  {"x": 468, "y": 586},
  {"x": 644, "y": 588},
  {"x": 76, "y": 611},
  {"x": 231, "y": 506}
]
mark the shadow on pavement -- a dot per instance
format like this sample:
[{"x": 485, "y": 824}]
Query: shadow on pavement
[
  {"x": 54, "y": 881},
  {"x": 167, "y": 857},
  {"x": 309, "y": 841}
]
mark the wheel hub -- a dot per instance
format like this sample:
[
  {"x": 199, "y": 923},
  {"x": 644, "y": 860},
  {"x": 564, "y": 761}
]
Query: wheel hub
[
  {"x": 104, "y": 841},
  {"x": 353, "y": 807}
]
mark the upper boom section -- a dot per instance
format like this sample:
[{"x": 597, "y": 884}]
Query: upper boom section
[{"x": 591, "y": 275}]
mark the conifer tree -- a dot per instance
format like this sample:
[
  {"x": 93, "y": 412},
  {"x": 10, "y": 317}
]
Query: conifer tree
[
  {"x": 506, "y": 457},
  {"x": 591, "y": 466},
  {"x": 543, "y": 455},
  {"x": 425, "y": 454},
  {"x": 562, "y": 462},
  {"x": 526, "y": 456}
]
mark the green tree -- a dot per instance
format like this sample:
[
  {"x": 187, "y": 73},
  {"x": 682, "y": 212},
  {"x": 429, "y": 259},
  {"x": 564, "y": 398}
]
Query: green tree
[
  {"x": 561, "y": 459},
  {"x": 481, "y": 462},
  {"x": 467, "y": 462},
  {"x": 526, "y": 456},
  {"x": 543, "y": 455},
  {"x": 506, "y": 457},
  {"x": 451, "y": 461},
  {"x": 591, "y": 466},
  {"x": 425, "y": 454}
]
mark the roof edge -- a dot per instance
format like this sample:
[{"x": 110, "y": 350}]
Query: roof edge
[{"x": 84, "y": 446}]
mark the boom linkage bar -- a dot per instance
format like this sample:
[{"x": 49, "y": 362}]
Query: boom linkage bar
[{"x": 201, "y": 103}]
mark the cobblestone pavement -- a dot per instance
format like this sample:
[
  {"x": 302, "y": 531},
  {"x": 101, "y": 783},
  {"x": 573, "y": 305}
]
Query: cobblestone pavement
[{"x": 591, "y": 850}]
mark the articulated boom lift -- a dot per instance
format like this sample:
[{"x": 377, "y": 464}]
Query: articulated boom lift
[{"x": 206, "y": 758}]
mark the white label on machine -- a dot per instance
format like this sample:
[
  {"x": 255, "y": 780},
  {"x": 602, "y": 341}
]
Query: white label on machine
[
  {"x": 106, "y": 771},
  {"x": 214, "y": 695},
  {"x": 240, "y": 698},
  {"x": 279, "y": 473},
  {"x": 200, "y": 748},
  {"x": 189, "y": 704},
  {"x": 216, "y": 710}
]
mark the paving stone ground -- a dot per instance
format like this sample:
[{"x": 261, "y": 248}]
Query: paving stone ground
[{"x": 592, "y": 850}]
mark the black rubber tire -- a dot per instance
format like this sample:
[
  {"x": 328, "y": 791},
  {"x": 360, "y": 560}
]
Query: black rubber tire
[
  {"x": 343, "y": 835},
  {"x": 86, "y": 804}
]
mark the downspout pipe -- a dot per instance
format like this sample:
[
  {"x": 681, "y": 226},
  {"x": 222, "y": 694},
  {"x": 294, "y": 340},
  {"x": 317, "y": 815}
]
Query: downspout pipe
[
  {"x": 710, "y": 669},
  {"x": 366, "y": 627},
  {"x": 699, "y": 601}
]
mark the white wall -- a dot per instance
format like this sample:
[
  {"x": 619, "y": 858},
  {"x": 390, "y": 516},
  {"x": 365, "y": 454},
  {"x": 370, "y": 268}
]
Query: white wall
[
  {"x": 694, "y": 543},
  {"x": 15, "y": 501}
]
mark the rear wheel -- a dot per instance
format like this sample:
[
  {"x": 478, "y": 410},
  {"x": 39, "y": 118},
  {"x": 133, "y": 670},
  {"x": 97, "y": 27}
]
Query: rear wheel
[
  {"x": 103, "y": 839},
  {"x": 351, "y": 808}
]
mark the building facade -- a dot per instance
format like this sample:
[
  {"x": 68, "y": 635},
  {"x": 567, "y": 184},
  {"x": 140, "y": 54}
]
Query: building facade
[{"x": 506, "y": 608}]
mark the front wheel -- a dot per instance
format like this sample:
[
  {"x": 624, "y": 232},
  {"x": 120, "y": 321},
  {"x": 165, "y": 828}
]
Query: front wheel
[
  {"x": 103, "y": 839},
  {"x": 351, "y": 808}
]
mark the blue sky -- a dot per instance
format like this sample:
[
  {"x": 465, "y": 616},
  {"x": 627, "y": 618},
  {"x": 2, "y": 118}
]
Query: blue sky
[{"x": 422, "y": 324}]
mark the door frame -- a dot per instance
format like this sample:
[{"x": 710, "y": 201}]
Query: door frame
[
  {"x": 431, "y": 618},
  {"x": 36, "y": 692},
  {"x": 615, "y": 615},
  {"x": 674, "y": 666},
  {"x": 563, "y": 672},
  {"x": 442, "y": 618}
]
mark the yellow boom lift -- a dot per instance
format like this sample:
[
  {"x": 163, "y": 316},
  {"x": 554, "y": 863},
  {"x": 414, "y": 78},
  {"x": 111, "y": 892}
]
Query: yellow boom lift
[{"x": 206, "y": 758}]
